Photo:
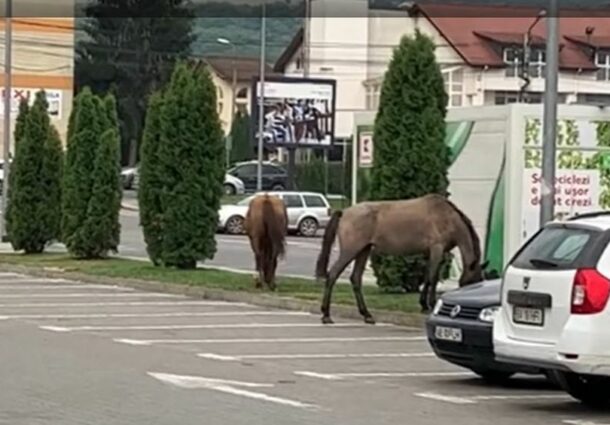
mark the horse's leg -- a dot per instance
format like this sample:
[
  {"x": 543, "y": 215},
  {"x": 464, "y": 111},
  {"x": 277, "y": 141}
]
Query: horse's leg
[
  {"x": 356, "y": 279},
  {"x": 344, "y": 259},
  {"x": 273, "y": 266},
  {"x": 434, "y": 264},
  {"x": 259, "y": 269}
]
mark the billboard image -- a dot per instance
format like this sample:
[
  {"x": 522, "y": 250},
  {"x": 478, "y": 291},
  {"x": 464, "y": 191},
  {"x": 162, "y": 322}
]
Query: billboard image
[{"x": 297, "y": 112}]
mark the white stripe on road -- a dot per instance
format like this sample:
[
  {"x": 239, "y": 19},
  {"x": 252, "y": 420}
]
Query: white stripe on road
[
  {"x": 129, "y": 304},
  {"x": 75, "y": 286},
  {"x": 340, "y": 376},
  {"x": 475, "y": 398},
  {"x": 213, "y": 356},
  {"x": 92, "y": 295},
  {"x": 228, "y": 387},
  {"x": 203, "y": 326},
  {"x": 29, "y": 279},
  {"x": 582, "y": 422},
  {"x": 262, "y": 340},
  {"x": 143, "y": 315}
]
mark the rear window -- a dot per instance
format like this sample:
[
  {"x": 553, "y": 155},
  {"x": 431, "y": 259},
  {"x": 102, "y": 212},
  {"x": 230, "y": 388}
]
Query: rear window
[
  {"x": 555, "y": 248},
  {"x": 313, "y": 201}
]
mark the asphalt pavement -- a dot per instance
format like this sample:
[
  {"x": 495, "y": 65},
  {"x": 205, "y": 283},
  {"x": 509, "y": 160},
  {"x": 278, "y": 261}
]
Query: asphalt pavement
[{"x": 75, "y": 353}]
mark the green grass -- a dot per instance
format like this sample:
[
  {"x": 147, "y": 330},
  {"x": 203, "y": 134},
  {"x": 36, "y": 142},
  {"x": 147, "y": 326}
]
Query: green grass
[{"x": 287, "y": 287}]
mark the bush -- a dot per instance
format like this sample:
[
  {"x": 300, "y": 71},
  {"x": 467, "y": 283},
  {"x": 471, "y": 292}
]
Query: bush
[
  {"x": 18, "y": 135},
  {"x": 310, "y": 175},
  {"x": 191, "y": 157},
  {"x": 411, "y": 158},
  {"x": 34, "y": 213},
  {"x": 151, "y": 180}
]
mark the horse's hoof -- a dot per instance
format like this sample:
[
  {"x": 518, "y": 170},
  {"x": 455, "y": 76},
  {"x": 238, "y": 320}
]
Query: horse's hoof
[
  {"x": 369, "y": 320},
  {"x": 327, "y": 320}
]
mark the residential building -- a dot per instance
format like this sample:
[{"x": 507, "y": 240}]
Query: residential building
[
  {"x": 246, "y": 69},
  {"x": 479, "y": 49},
  {"x": 42, "y": 58}
]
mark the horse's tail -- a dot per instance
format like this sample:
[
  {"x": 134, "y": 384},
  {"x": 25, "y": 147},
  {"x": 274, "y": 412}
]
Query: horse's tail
[
  {"x": 274, "y": 230},
  {"x": 474, "y": 237},
  {"x": 329, "y": 237}
]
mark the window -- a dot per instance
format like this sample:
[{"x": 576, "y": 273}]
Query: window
[
  {"x": 555, "y": 248},
  {"x": 506, "y": 97},
  {"x": 220, "y": 106},
  {"x": 313, "y": 201},
  {"x": 454, "y": 86},
  {"x": 242, "y": 109},
  {"x": 602, "y": 60},
  {"x": 293, "y": 201},
  {"x": 219, "y": 93},
  {"x": 513, "y": 57},
  {"x": 373, "y": 93},
  {"x": 242, "y": 93}
]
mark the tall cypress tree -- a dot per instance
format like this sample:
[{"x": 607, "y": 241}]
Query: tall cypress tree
[
  {"x": 411, "y": 159},
  {"x": 151, "y": 180},
  {"x": 241, "y": 149},
  {"x": 191, "y": 155},
  {"x": 18, "y": 134},
  {"x": 36, "y": 179}
]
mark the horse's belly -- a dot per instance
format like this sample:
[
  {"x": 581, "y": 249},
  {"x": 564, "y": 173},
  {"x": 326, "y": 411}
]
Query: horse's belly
[{"x": 399, "y": 246}]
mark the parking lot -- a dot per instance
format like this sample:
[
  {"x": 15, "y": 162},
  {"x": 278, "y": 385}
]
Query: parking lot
[{"x": 76, "y": 353}]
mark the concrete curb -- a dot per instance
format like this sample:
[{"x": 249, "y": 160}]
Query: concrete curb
[
  {"x": 284, "y": 303},
  {"x": 129, "y": 207}
]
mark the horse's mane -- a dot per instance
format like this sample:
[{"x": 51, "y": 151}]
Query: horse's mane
[{"x": 473, "y": 234}]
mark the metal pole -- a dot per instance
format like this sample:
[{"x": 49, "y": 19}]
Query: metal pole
[
  {"x": 261, "y": 105},
  {"x": 547, "y": 206},
  {"x": 233, "y": 106},
  {"x": 8, "y": 36}
]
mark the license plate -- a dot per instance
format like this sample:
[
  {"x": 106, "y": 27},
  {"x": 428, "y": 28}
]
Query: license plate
[
  {"x": 448, "y": 334},
  {"x": 528, "y": 316}
]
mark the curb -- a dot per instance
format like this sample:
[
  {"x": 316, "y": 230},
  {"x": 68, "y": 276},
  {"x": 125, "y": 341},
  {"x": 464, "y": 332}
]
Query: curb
[
  {"x": 129, "y": 207},
  {"x": 412, "y": 320}
]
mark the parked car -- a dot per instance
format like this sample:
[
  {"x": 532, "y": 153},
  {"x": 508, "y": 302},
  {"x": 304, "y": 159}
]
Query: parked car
[
  {"x": 275, "y": 178},
  {"x": 128, "y": 175},
  {"x": 307, "y": 212},
  {"x": 460, "y": 328},
  {"x": 554, "y": 312},
  {"x": 233, "y": 185}
]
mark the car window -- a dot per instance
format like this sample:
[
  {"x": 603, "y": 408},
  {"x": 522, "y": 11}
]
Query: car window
[
  {"x": 314, "y": 201},
  {"x": 293, "y": 201},
  {"x": 555, "y": 247},
  {"x": 245, "y": 170},
  {"x": 270, "y": 169}
]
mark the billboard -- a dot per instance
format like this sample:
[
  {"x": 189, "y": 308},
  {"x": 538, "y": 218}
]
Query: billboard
[{"x": 298, "y": 112}]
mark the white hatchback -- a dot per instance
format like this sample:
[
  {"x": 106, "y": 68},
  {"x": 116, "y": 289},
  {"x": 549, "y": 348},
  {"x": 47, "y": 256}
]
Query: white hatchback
[{"x": 555, "y": 313}]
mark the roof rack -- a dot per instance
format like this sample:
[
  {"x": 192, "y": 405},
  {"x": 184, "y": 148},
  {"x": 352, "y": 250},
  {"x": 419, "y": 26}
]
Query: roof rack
[{"x": 589, "y": 215}]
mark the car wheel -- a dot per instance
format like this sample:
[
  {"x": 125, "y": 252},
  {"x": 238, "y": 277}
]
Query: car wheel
[
  {"x": 308, "y": 227},
  {"x": 229, "y": 189},
  {"x": 590, "y": 390},
  {"x": 494, "y": 376},
  {"x": 277, "y": 187},
  {"x": 235, "y": 225}
]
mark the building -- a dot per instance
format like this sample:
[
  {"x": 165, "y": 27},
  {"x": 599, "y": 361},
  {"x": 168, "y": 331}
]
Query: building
[
  {"x": 42, "y": 58},
  {"x": 479, "y": 49},
  {"x": 246, "y": 69}
]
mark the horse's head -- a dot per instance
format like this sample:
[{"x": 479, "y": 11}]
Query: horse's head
[{"x": 474, "y": 274}]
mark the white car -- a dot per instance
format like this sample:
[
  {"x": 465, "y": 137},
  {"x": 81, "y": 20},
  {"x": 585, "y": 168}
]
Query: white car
[
  {"x": 233, "y": 185},
  {"x": 555, "y": 312},
  {"x": 307, "y": 212}
]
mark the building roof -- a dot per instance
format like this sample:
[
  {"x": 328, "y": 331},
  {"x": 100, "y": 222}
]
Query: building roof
[
  {"x": 476, "y": 31},
  {"x": 246, "y": 68}
]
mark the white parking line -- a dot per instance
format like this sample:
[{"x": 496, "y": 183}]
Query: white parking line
[
  {"x": 75, "y": 286},
  {"x": 202, "y": 326},
  {"x": 476, "y": 398},
  {"x": 194, "y": 382},
  {"x": 582, "y": 422},
  {"x": 213, "y": 356},
  {"x": 93, "y": 295},
  {"x": 263, "y": 340},
  {"x": 150, "y": 315},
  {"x": 340, "y": 376},
  {"x": 129, "y": 304}
]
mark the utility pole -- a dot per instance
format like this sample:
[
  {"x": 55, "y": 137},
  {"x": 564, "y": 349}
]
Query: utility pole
[
  {"x": 8, "y": 38},
  {"x": 547, "y": 206},
  {"x": 261, "y": 105}
]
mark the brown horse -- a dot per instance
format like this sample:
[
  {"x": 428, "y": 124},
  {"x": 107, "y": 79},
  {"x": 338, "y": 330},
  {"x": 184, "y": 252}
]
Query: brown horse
[
  {"x": 429, "y": 225},
  {"x": 266, "y": 225}
]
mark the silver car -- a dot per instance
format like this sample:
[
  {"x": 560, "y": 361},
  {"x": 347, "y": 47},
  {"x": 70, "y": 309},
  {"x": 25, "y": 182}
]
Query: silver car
[{"x": 307, "y": 212}]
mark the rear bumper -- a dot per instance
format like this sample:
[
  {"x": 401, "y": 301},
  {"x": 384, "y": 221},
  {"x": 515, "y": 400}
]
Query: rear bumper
[{"x": 476, "y": 350}]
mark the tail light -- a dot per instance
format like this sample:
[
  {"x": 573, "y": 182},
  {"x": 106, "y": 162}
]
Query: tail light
[{"x": 590, "y": 292}]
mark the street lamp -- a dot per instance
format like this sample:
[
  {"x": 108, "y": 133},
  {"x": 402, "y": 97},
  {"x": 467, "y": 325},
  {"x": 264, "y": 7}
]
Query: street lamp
[
  {"x": 261, "y": 105},
  {"x": 228, "y": 42},
  {"x": 527, "y": 40}
]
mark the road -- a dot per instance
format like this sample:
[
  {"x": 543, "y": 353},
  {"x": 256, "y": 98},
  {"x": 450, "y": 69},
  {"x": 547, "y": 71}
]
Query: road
[
  {"x": 233, "y": 251},
  {"x": 89, "y": 354}
]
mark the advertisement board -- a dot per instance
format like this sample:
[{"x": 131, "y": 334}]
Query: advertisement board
[
  {"x": 298, "y": 112},
  {"x": 54, "y": 99}
]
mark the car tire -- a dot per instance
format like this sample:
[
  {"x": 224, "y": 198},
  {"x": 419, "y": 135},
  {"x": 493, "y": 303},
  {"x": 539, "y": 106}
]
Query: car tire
[
  {"x": 277, "y": 187},
  {"x": 494, "y": 376},
  {"x": 235, "y": 225},
  {"x": 308, "y": 227},
  {"x": 592, "y": 391},
  {"x": 229, "y": 189}
]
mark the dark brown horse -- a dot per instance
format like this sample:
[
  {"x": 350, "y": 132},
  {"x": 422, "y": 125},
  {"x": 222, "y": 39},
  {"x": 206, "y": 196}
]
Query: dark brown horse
[
  {"x": 266, "y": 225},
  {"x": 430, "y": 225}
]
